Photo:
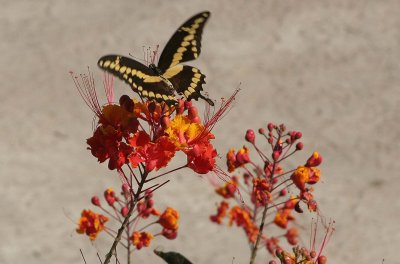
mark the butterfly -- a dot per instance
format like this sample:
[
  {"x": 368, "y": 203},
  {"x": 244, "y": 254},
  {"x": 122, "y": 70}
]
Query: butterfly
[{"x": 162, "y": 82}]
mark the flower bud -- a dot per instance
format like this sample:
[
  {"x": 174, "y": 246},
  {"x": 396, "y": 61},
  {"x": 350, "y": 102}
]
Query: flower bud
[
  {"x": 298, "y": 135},
  {"x": 283, "y": 192},
  {"x": 270, "y": 126},
  {"x": 165, "y": 121},
  {"x": 288, "y": 141},
  {"x": 95, "y": 201},
  {"x": 180, "y": 107},
  {"x": 272, "y": 262},
  {"x": 124, "y": 211},
  {"x": 314, "y": 160},
  {"x": 322, "y": 260},
  {"x": 250, "y": 136},
  {"x": 126, "y": 102},
  {"x": 299, "y": 146},
  {"x": 193, "y": 113},
  {"x": 188, "y": 104},
  {"x": 169, "y": 233},
  {"x": 151, "y": 107},
  {"x": 125, "y": 188},
  {"x": 275, "y": 155},
  {"x": 261, "y": 131}
]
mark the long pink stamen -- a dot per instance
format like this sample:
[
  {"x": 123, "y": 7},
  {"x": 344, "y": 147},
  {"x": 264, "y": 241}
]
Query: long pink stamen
[
  {"x": 87, "y": 89},
  {"x": 108, "y": 83}
]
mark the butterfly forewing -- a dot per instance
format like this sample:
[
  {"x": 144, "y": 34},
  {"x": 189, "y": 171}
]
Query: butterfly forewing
[
  {"x": 185, "y": 44},
  {"x": 140, "y": 77}
]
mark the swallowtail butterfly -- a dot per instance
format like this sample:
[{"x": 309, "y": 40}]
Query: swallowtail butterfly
[{"x": 161, "y": 82}]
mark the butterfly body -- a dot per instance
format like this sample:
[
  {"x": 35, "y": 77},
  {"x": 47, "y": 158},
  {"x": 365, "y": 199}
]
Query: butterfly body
[{"x": 169, "y": 77}]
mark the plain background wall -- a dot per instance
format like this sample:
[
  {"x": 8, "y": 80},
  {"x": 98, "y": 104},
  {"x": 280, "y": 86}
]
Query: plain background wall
[{"x": 327, "y": 68}]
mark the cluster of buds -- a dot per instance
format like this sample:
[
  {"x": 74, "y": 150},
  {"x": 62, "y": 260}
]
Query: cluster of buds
[
  {"x": 269, "y": 187},
  {"x": 116, "y": 208}
]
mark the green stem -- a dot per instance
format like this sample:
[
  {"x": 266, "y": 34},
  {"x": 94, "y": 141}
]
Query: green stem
[{"x": 126, "y": 220}]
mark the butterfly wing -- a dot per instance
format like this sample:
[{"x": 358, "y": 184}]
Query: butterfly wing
[
  {"x": 185, "y": 44},
  {"x": 139, "y": 77},
  {"x": 187, "y": 81}
]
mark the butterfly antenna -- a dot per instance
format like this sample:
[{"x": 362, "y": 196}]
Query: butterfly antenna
[{"x": 137, "y": 58}]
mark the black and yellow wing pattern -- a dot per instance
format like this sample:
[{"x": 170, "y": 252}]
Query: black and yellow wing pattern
[{"x": 162, "y": 82}]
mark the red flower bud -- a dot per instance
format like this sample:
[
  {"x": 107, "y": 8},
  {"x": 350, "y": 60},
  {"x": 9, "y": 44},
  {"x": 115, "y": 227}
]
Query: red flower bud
[
  {"x": 180, "y": 108},
  {"x": 298, "y": 135},
  {"x": 188, "y": 104},
  {"x": 299, "y": 146},
  {"x": 95, "y": 201},
  {"x": 314, "y": 160},
  {"x": 165, "y": 121},
  {"x": 288, "y": 141},
  {"x": 270, "y": 126},
  {"x": 272, "y": 262},
  {"x": 283, "y": 192},
  {"x": 275, "y": 155},
  {"x": 125, "y": 188},
  {"x": 152, "y": 107},
  {"x": 124, "y": 211},
  {"x": 261, "y": 131},
  {"x": 169, "y": 233},
  {"x": 193, "y": 113},
  {"x": 322, "y": 260},
  {"x": 126, "y": 103},
  {"x": 250, "y": 136}
]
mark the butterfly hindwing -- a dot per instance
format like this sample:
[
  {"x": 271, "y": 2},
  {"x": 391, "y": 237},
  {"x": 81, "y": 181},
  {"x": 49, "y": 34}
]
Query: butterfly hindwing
[
  {"x": 187, "y": 81},
  {"x": 185, "y": 44},
  {"x": 140, "y": 77}
]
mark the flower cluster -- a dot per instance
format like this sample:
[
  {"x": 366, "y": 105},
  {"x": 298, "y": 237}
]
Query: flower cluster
[
  {"x": 270, "y": 188},
  {"x": 116, "y": 208}
]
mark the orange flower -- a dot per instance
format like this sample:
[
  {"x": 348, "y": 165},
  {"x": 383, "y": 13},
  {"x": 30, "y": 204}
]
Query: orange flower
[
  {"x": 283, "y": 217},
  {"x": 141, "y": 239},
  {"x": 242, "y": 218},
  {"x": 303, "y": 175},
  {"x": 235, "y": 161},
  {"x": 91, "y": 223},
  {"x": 221, "y": 213},
  {"x": 229, "y": 189},
  {"x": 169, "y": 219},
  {"x": 261, "y": 192}
]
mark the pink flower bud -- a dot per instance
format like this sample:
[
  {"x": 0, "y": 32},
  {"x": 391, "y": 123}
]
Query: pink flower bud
[
  {"x": 288, "y": 141},
  {"x": 299, "y": 146},
  {"x": 261, "y": 131},
  {"x": 250, "y": 136},
  {"x": 283, "y": 192},
  {"x": 180, "y": 108},
  {"x": 193, "y": 113},
  {"x": 124, "y": 211},
  {"x": 298, "y": 135},
  {"x": 95, "y": 201},
  {"x": 272, "y": 262},
  {"x": 125, "y": 188},
  {"x": 270, "y": 126},
  {"x": 188, "y": 104},
  {"x": 275, "y": 155}
]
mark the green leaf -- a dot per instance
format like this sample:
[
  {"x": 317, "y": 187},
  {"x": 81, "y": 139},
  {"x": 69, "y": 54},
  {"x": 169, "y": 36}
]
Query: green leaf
[{"x": 172, "y": 257}]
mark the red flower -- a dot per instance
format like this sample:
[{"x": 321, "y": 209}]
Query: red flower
[
  {"x": 228, "y": 190},
  {"x": 201, "y": 158},
  {"x": 291, "y": 236},
  {"x": 261, "y": 192},
  {"x": 141, "y": 239},
  {"x": 169, "y": 219},
  {"x": 156, "y": 154},
  {"x": 91, "y": 223},
  {"x": 221, "y": 213}
]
